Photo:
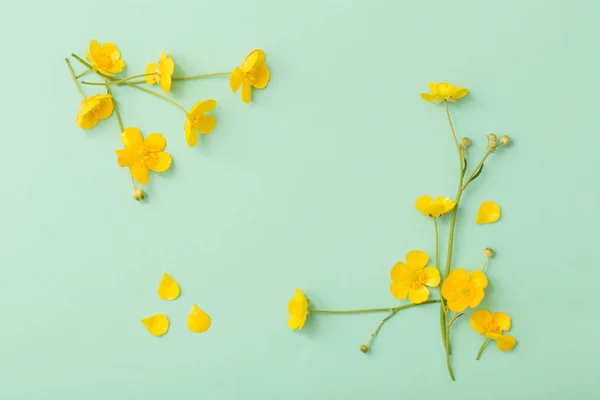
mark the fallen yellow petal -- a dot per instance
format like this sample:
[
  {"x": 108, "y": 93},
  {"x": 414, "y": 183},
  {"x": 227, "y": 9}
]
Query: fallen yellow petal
[
  {"x": 198, "y": 321},
  {"x": 488, "y": 212},
  {"x": 157, "y": 324},
  {"x": 168, "y": 289}
]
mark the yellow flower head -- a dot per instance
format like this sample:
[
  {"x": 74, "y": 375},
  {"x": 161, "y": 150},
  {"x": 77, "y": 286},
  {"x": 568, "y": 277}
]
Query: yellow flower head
[
  {"x": 163, "y": 70},
  {"x": 142, "y": 155},
  {"x": 434, "y": 208},
  {"x": 106, "y": 58},
  {"x": 196, "y": 121},
  {"x": 298, "y": 310},
  {"x": 493, "y": 326},
  {"x": 444, "y": 92},
  {"x": 94, "y": 108},
  {"x": 252, "y": 73},
  {"x": 412, "y": 278},
  {"x": 462, "y": 290}
]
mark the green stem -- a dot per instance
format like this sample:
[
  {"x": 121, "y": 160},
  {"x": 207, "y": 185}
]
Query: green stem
[
  {"x": 119, "y": 120},
  {"x": 121, "y": 81},
  {"x": 183, "y": 78},
  {"x": 74, "y": 77},
  {"x": 481, "y": 348},
  {"x": 157, "y": 95},
  {"x": 372, "y": 310},
  {"x": 83, "y": 73},
  {"x": 376, "y": 331},
  {"x": 448, "y": 354},
  {"x": 443, "y": 315},
  {"x": 485, "y": 263},
  {"x": 460, "y": 157},
  {"x": 81, "y": 60},
  {"x": 474, "y": 171}
]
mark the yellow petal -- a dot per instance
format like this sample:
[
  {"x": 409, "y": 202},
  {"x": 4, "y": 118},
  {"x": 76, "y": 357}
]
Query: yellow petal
[
  {"x": 262, "y": 76},
  {"x": 165, "y": 83},
  {"x": 488, "y": 212},
  {"x": 132, "y": 138},
  {"x": 433, "y": 87},
  {"x": 191, "y": 137},
  {"x": 155, "y": 142},
  {"x": 429, "y": 97},
  {"x": 168, "y": 289},
  {"x": 235, "y": 79},
  {"x": 105, "y": 106},
  {"x": 418, "y": 295},
  {"x": 167, "y": 67},
  {"x": 416, "y": 258},
  {"x": 396, "y": 271},
  {"x": 479, "y": 320},
  {"x": 125, "y": 158},
  {"x": 86, "y": 121},
  {"x": 479, "y": 279},
  {"x": 94, "y": 47},
  {"x": 294, "y": 322},
  {"x": 207, "y": 124},
  {"x": 150, "y": 69},
  {"x": 476, "y": 296},
  {"x": 458, "y": 305},
  {"x": 501, "y": 320},
  {"x": 446, "y": 203},
  {"x": 506, "y": 342},
  {"x": 253, "y": 59},
  {"x": 161, "y": 163},
  {"x": 198, "y": 321},
  {"x": 157, "y": 324},
  {"x": 459, "y": 93},
  {"x": 423, "y": 204},
  {"x": 399, "y": 290},
  {"x": 111, "y": 51},
  {"x": 140, "y": 173},
  {"x": 205, "y": 106},
  {"x": 432, "y": 276},
  {"x": 246, "y": 92}
]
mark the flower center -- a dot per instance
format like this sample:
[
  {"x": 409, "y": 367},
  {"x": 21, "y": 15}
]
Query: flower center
[
  {"x": 492, "y": 328},
  {"x": 158, "y": 74},
  {"x": 418, "y": 278},
  {"x": 103, "y": 59},
  {"x": 249, "y": 77}
]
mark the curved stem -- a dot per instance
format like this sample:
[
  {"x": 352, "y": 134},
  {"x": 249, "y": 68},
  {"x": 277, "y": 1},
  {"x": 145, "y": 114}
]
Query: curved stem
[
  {"x": 119, "y": 120},
  {"x": 460, "y": 157},
  {"x": 474, "y": 171},
  {"x": 133, "y": 182},
  {"x": 481, "y": 348},
  {"x": 121, "y": 81},
  {"x": 448, "y": 354},
  {"x": 157, "y": 95},
  {"x": 74, "y": 77},
  {"x": 443, "y": 312},
  {"x": 183, "y": 78},
  {"x": 485, "y": 263},
  {"x": 371, "y": 310},
  {"x": 83, "y": 73}
]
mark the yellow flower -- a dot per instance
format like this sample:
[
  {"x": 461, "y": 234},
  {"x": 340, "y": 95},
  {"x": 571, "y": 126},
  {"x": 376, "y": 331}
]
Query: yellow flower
[
  {"x": 196, "y": 121},
  {"x": 493, "y": 326},
  {"x": 164, "y": 71},
  {"x": 298, "y": 310},
  {"x": 488, "y": 212},
  {"x": 444, "y": 91},
  {"x": 142, "y": 155},
  {"x": 462, "y": 290},
  {"x": 432, "y": 208},
  {"x": 94, "y": 108},
  {"x": 252, "y": 72},
  {"x": 412, "y": 278},
  {"x": 106, "y": 58}
]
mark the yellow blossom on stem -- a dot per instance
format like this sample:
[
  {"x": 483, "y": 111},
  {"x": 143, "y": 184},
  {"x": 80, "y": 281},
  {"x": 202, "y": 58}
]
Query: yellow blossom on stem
[
  {"x": 163, "y": 72},
  {"x": 93, "y": 109},
  {"x": 492, "y": 326},
  {"x": 196, "y": 121},
  {"x": 252, "y": 73},
  {"x": 434, "y": 208},
  {"x": 142, "y": 155},
  {"x": 105, "y": 58},
  {"x": 444, "y": 92},
  {"x": 298, "y": 311},
  {"x": 411, "y": 279},
  {"x": 462, "y": 289}
]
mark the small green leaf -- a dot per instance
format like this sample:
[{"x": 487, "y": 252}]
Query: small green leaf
[
  {"x": 464, "y": 166},
  {"x": 477, "y": 173}
]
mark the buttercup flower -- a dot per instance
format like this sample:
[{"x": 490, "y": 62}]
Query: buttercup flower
[
  {"x": 94, "y": 108},
  {"x": 163, "y": 70},
  {"x": 196, "y": 121},
  {"x": 493, "y": 326},
  {"x": 463, "y": 290},
  {"x": 142, "y": 155},
  {"x": 412, "y": 278},
  {"x": 298, "y": 310},
  {"x": 106, "y": 58},
  {"x": 436, "y": 208},
  {"x": 444, "y": 92},
  {"x": 252, "y": 73}
]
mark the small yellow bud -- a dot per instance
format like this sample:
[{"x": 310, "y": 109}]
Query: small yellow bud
[
  {"x": 504, "y": 140},
  {"x": 364, "y": 348},
  {"x": 465, "y": 142},
  {"x": 488, "y": 252},
  {"x": 492, "y": 143},
  {"x": 139, "y": 194}
]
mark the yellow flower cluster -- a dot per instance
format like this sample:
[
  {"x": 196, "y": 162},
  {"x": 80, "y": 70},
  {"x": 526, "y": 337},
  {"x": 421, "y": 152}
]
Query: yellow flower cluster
[
  {"x": 414, "y": 278},
  {"x": 158, "y": 324},
  {"x": 144, "y": 155}
]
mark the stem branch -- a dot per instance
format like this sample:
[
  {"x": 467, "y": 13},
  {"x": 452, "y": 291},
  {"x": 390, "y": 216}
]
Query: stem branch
[
  {"x": 183, "y": 78},
  {"x": 74, "y": 77},
  {"x": 481, "y": 348}
]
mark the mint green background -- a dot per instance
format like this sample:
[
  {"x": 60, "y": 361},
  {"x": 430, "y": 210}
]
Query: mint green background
[{"x": 311, "y": 186}]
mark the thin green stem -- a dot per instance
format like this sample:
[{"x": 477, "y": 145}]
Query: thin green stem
[
  {"x": 133, "y": 182},
  {"x": 119, "y": 120},
  {"x": 443, "y": 312},
  {"x": 83, "y": 73},
  {"x": 448, "y": 354},
  {"x": 470, "y": 178},
  {"x": 456, "y": 316},
  {"x": 481, "y": 348},
  {"x": 460, "y": 156},
  {"x": 183, "y": 78},
  {"x": 121, "y": 81},
  {"x": 157, "y": 95},
  {"x": 376, "y": 331},
  {"x": 485, "y": 263},
  {"x": 372, "y": 310},
  {"x": 81, "y": 60},
  {"x": 74, "y": 77}
]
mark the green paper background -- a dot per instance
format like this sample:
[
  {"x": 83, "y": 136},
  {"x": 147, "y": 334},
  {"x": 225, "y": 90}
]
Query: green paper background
[{"x": 310, "y": 186}]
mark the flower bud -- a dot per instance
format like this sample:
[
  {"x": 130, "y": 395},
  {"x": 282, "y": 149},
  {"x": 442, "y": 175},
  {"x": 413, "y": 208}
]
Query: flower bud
[
  {"x": 504, "y": 140},
  {"x": 465, "y": 142},
  {"x": 488, "y": 252},
  {"x": 139, "y": 194},
  {"x": 364, "y": 348},
  {"x": 492, "y": 143}
]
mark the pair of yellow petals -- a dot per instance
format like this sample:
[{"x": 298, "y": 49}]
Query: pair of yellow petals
[
  {"x": 488, "y": 211},
  {"x": 198, "y": 321}
]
